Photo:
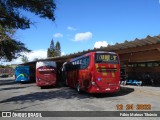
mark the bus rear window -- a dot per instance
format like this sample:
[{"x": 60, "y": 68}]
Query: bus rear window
[{"x": 106, "y": 58}]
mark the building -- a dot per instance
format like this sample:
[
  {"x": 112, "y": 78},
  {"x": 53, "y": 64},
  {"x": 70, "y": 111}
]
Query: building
[
  {"x": 140, "y": 58},
  {"x": 5, "y": 72}
]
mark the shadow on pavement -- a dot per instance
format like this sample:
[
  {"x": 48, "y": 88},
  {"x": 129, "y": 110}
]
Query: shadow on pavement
[
  {"x": 11, "y": 88},
  {"x": 12, "y": 82},
  {"x": 7, "y": 82},
  {"x": 64, "y": 93},
  {"x": 61, "y": 93}
]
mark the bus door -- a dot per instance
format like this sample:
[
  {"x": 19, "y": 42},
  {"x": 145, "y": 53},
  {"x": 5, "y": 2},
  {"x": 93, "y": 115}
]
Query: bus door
[{"x": 85, "y": 74}]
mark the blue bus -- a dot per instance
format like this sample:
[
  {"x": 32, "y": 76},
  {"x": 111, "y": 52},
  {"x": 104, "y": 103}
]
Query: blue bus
[{"x": 24, "y": 74}]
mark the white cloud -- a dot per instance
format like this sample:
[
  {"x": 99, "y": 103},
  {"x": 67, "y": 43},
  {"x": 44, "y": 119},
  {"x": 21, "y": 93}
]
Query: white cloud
[
  {"x": 83, "y": 36},
  {"x": 37, "y": 54},
  {"x": 58, "y": 35},
  {"x": 100, "y": 44},
  {"x": 63, "y": 53},
  {"x": 71, "y": 28},
  {"x": 40, "y": 54}
]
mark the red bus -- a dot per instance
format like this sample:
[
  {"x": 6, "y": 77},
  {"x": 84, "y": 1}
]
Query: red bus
[
  {"x": 46, "y": 73},
  {"x": 94, "y": 72}
]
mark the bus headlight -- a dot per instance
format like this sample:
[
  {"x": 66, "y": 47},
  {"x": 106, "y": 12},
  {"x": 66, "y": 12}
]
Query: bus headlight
[{"x": 93, "y": 83}]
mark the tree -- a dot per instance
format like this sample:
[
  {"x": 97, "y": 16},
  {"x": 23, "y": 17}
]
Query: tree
[
  {"x": 6, "y": 33},
  {"x": 48, "y": 53},
  {"x": 9, "y": 47},
  {"x": 51, "y": 50},
  {"x": 5, "y": 66},
  {"x": 35, "y": 59},
  {"x": 57, "y": 49},
  {"x": 52, "y": 45},
  {"x": 11, "y": 17},
  {"x": 54, "y": 51},
  {"x": 58, "y": 46},
  {"x": 24, "y": 59}
]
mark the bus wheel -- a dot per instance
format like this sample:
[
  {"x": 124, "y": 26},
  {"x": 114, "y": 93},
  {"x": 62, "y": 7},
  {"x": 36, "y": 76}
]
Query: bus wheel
[
  {"x": 78, "y": 88},
  {"x": 42, "y": 87}
]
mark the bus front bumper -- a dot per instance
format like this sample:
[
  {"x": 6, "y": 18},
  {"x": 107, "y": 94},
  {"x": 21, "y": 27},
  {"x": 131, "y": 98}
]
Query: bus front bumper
[{"x": 45, "y": 83}]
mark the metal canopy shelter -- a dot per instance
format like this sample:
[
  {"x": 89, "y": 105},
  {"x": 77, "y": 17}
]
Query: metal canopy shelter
[
  {"x": 147, "y": 49},
  {"x": 138, "y": 51}
]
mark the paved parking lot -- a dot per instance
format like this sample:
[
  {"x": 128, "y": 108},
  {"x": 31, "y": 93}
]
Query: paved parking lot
[{"x": 29, "y": 97}]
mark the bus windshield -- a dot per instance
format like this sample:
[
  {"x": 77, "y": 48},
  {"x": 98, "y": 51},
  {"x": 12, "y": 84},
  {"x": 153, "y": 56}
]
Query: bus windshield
[
  {"x": 46, "y": 67},
  {"x": 106, "y": 58},
  {"x": 22, "y": 70}
]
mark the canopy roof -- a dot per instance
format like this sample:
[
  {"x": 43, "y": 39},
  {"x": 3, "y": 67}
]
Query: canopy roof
[{"x": 137, "y": 45}]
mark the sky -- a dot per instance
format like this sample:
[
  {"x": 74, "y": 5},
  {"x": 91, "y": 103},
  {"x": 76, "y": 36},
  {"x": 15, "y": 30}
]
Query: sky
[{"x": 85, "y": 24}]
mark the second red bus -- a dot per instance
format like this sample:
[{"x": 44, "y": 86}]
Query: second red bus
[
  {"x": 94, "y": 72},
  {"x": 46, "y": 73}
]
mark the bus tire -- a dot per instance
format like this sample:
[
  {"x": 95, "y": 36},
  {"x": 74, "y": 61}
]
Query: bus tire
[
  {"x": 41, "y": 87},
  {"x": 78, "y": 88}
]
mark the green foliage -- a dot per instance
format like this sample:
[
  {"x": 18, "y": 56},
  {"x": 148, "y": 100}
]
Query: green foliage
[
  {"x": 54, "y": 51},
  {"x": 6, "y": 33},
  {"x": 35, "y": 59},
  {"x": 24, "y": 59},
  {"x": 50, "y": 53},
  {"x": 58, "y": 47},
  {"x": 5, "y": 66},
  {"x": 11, "y": 17},
  {"x": 52, "y": 45},
  {"x": 9, "y": 47}
]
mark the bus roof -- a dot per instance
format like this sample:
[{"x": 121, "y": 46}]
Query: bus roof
[
  {"x": 22, "y": 66},
  {"x": 105, "y": 52}
]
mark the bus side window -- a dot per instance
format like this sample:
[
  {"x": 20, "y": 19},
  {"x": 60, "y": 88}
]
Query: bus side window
[
  {"x": 76, "y": 67},
  {"x": 85, "y": 63},
  {"x": 80, "y": 61}
]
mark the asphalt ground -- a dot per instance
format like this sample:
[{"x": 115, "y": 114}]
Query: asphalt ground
[{"x": 29, "y": 97}]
